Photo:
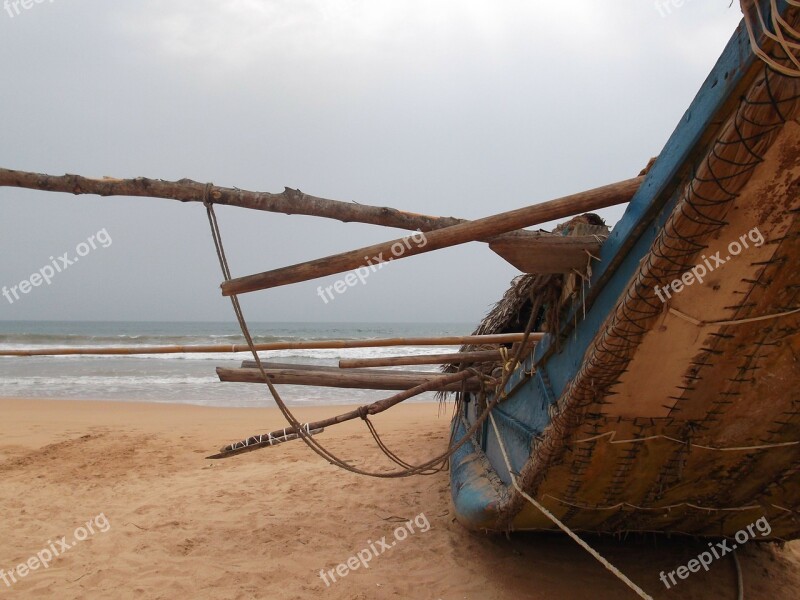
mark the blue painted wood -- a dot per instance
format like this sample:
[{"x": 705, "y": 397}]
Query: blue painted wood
[
  {"x": 631, "y": 239},
  {"x": 475, "y": 499},
  {"x": 650, "y": 207}
]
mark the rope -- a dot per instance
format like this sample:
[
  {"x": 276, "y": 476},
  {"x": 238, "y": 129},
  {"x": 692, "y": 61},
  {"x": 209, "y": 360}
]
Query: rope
[
  {"x": 656, "y": 508},
  {"x": 431, "y": 466},
  {"x": 739, "y": 578},
  {"x": 700, "y": 323},
  {"x": 612, "y": 434},
  {"x": 619, "y": 574},
  {"x": 781, "y": 27}
]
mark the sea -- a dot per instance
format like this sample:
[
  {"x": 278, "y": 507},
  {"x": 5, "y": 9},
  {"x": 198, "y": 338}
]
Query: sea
[{"x": 190, "y": 378}]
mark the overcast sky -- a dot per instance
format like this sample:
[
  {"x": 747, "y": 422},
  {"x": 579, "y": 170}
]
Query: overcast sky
[{"x": 449, "y": 107}]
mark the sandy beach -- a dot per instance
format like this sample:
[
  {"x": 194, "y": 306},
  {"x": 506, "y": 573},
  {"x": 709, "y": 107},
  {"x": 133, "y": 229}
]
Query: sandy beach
[{"x": 161, "y": 521}]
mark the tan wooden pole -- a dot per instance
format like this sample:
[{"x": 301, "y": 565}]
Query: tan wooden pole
[
  {"x": 290, "y": 201},
  {"x": 256, "y": 442},
  {"x": 422, "y": 359},
  {"x": 504, "y": 338},
  {"x": 462, "y": 233}
]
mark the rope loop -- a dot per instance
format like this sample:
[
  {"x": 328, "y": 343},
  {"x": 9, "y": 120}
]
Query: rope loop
[{"x": 207, "y": 202}]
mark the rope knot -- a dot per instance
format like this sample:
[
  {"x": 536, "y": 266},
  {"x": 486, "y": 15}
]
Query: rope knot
[
  {"x": 363, "y": 412},
  {"x": 207, "y": 194}
]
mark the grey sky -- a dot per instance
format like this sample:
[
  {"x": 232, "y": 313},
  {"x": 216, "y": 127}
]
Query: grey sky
[{"x": 452, "y": 107}]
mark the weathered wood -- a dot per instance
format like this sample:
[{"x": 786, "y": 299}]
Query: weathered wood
[
  {"x": 251, "y": 364},
  {"x": 370, "y": 409},
  {"x": 602, "y": 197},
  {"x": 273, "y": 438},
  {"x": 383, "y": 380},
  {"x": 503, "y": 338},
  {"x": 290, "y": 201},
  {"x": 429, "y": 359},
  {"x": 561, "y": 254}
]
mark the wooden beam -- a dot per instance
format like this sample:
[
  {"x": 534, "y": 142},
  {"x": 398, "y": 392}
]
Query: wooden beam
[
  {"x": 502, "y": 338},
  {"x": 384, "y": 380},
  {"x": 290, "y": 201},
  {"x": 602, "y": 197},
  {"x": 427, "y": 359},
  {"x": 275, "y": 366},
  {"x": 256, "y": 442}
]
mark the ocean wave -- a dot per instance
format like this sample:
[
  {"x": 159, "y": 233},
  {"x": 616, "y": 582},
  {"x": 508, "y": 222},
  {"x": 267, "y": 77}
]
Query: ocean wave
[{"x": 70, "y": 340}]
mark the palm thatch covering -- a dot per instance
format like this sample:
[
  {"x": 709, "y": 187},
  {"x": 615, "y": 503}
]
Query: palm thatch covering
[{"x": 548, "y": 294}]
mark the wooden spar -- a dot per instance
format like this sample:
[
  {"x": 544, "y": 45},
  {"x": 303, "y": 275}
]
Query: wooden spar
[
  {"x": 376, "y": 380},
  {"x": 537, "y": 245},
  {"x": 429, "y": 359},
  {"x": 502, "y": 338},
  {"x": 251, "y": 364},
  {"x": 370, "y": 409},
  {"x": 290, "y": 202},
  {"x": 462, "y": 233},
  {"x": 267, "y": 440}
]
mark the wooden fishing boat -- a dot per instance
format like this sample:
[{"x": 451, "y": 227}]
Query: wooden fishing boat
[
  {"x": 638, "y": 380},
  {"x": 664, "y": 395}
]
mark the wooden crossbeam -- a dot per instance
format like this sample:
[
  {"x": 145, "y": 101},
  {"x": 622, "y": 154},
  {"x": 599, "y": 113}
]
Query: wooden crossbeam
[
  {"x": 462, "y": 233},
  {"x": 384, "y": 380},
  {"x": 275, "y": 366},
  {"x": 425, "y": 359},
  {"x": 290, "y": 201},
  {"x": 457, "y": 340}
]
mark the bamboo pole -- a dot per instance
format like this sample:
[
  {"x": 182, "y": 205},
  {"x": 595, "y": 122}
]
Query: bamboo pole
[
  {"x": 462, "y": 233},
  {"x": 290, "y": 201},
  {"x": 375, "y": 380},
  {"x": 426, "y": 359},
  {"x": 256, "y": 442},
  {"x": 502, "y": 338}
]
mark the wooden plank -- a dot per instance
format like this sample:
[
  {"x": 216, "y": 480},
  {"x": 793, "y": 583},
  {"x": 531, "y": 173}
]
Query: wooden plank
[
  {"x": 388, "y": 380},
  {"x": 557, "y": 254},
  {"x": 602, "y": 197}
]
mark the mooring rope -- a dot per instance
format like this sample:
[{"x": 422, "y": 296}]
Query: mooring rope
[
  {"x": 431, "y": 466},
  {"x": 781, "y": 28},
  {"x": 603, "y": 561},
  {"x": 700, "y": 323},
  {"x": 739, "y": 578},
  {"x": 612, "y": 434}
]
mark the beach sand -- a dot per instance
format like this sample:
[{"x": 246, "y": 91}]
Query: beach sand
[{"x": 262, "y": 525}]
